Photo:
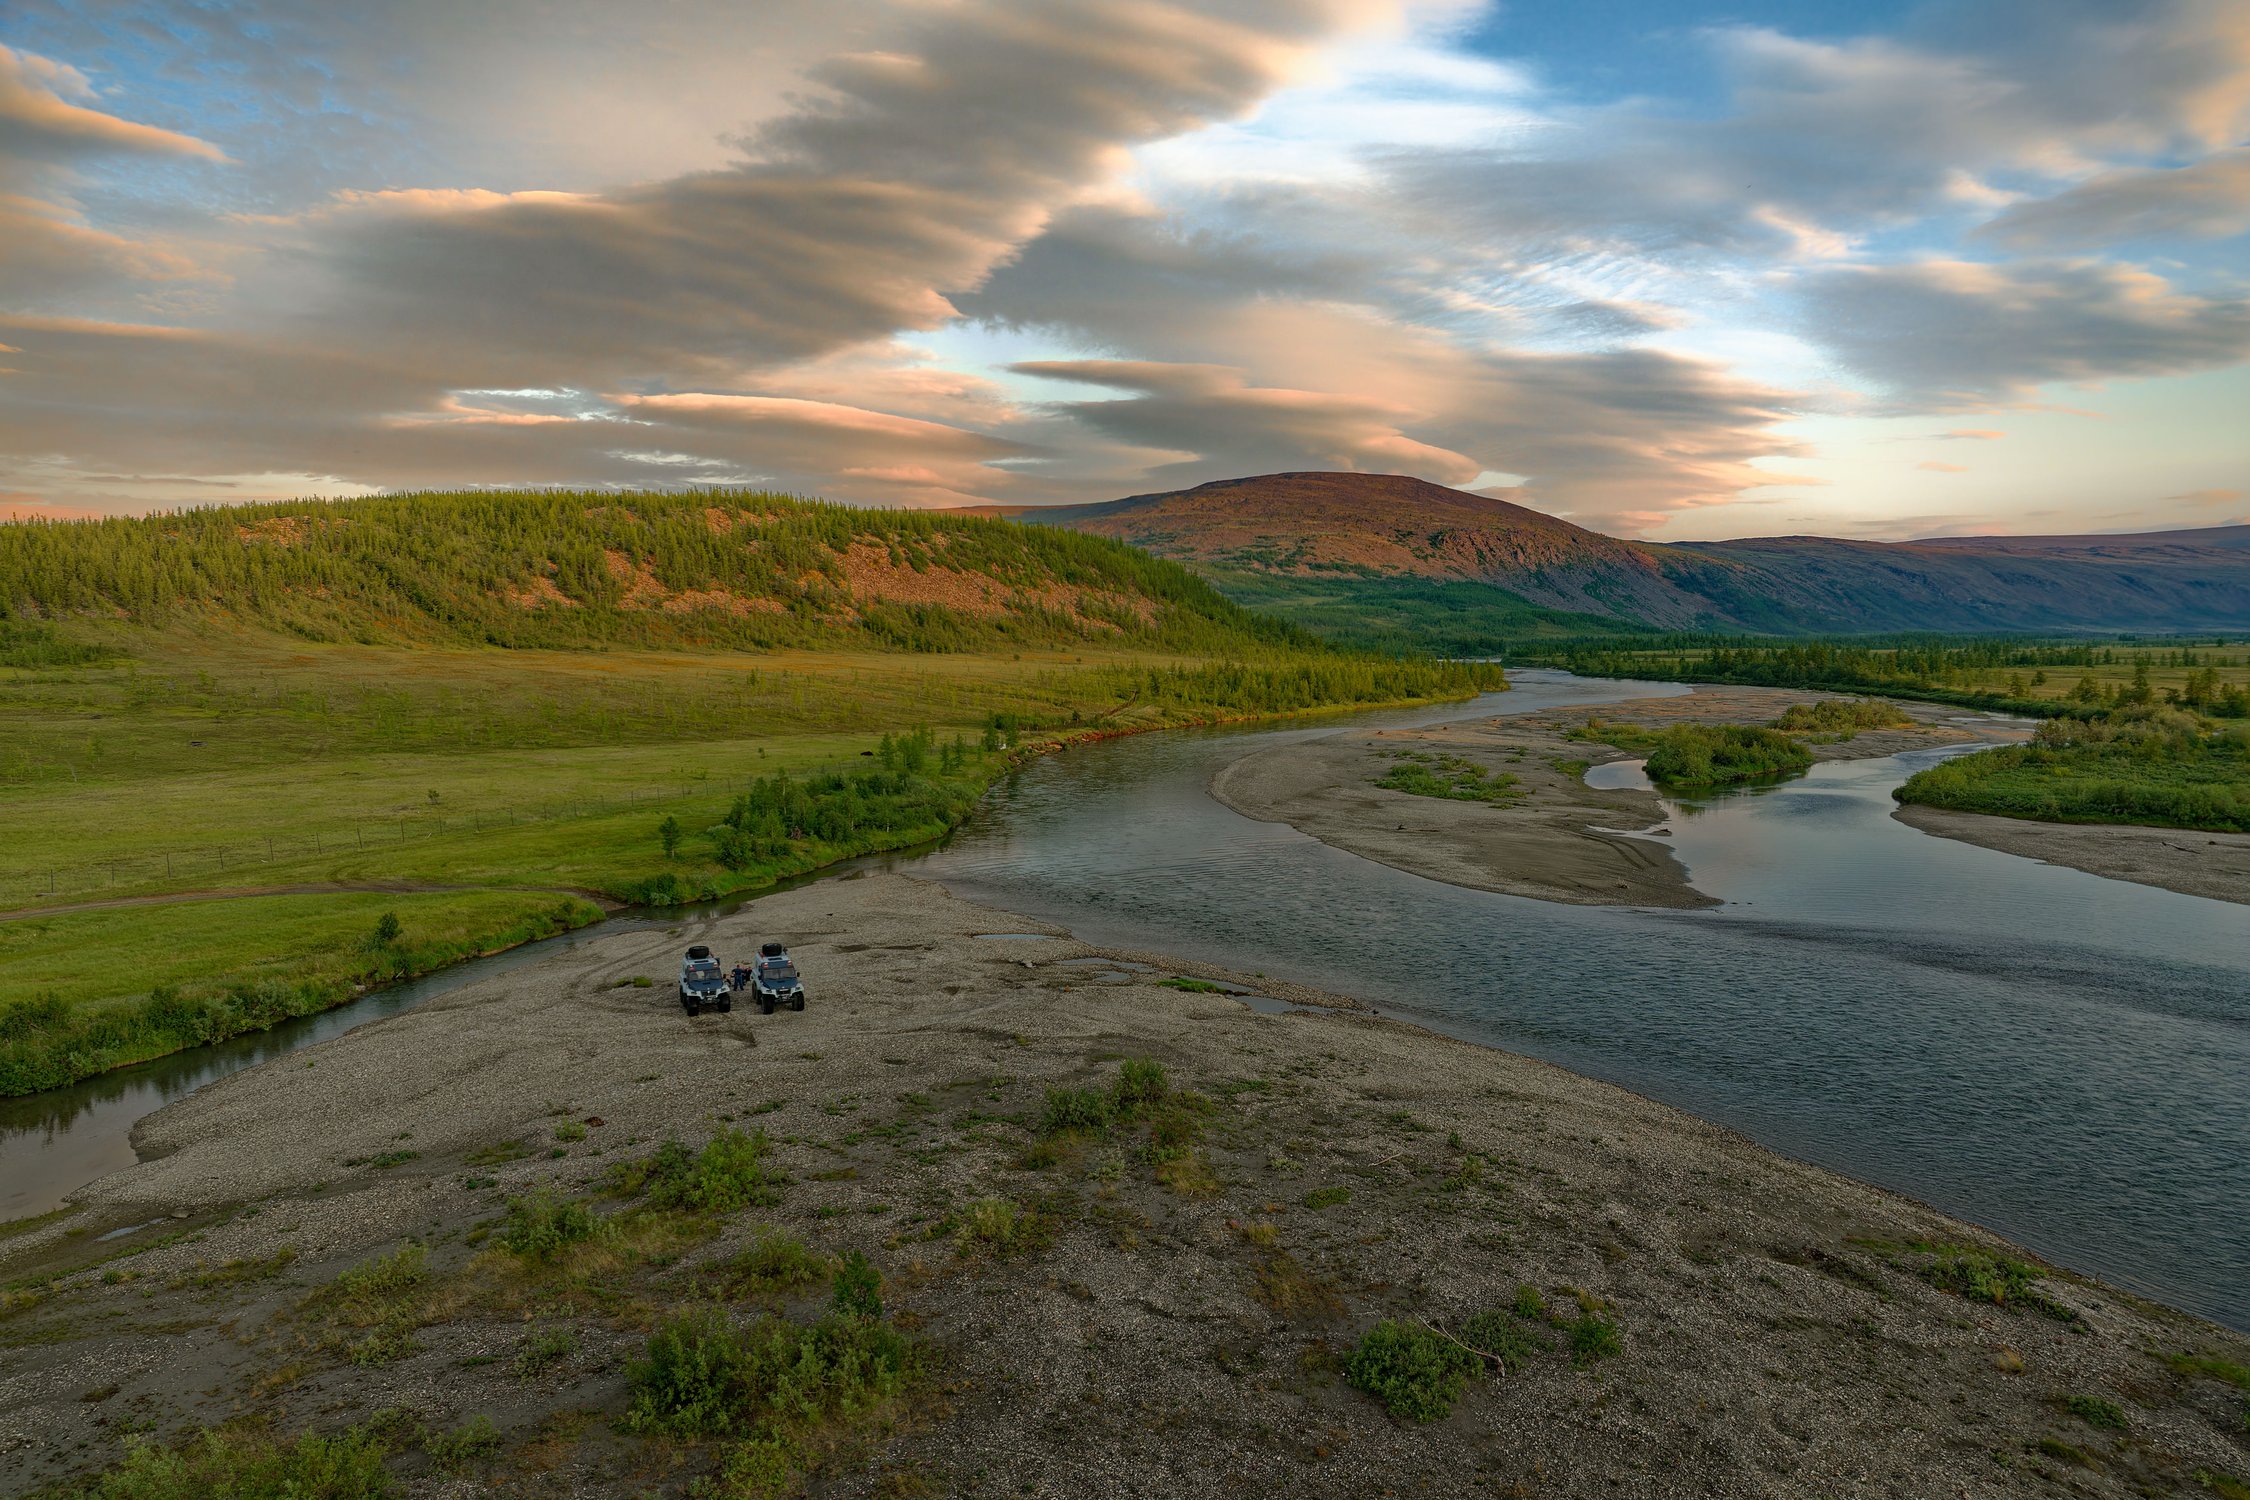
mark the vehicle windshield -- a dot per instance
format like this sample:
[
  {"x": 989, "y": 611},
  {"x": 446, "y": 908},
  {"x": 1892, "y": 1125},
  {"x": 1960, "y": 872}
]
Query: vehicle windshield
[{"x": 781, "y": 971}]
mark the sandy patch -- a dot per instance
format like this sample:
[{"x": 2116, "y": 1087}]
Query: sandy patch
[
  {"x": 2216, "y": 865},
  {"x": 1563, "y": 840}
]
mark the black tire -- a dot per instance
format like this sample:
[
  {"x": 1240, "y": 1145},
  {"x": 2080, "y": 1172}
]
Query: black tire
[
  {"x": 765, "y": 1006},
  {"x": 798, "y": 1003},
  {"x": 726, "y": 1007},
  {"x": 691, "y": 1007}
]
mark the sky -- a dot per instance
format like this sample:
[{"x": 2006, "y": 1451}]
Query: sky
[{"x": 1680, "y": 271}]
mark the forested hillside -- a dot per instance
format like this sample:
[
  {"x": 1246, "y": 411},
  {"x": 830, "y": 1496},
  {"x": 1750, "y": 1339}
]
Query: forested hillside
[{"x": 564, "y": 569}]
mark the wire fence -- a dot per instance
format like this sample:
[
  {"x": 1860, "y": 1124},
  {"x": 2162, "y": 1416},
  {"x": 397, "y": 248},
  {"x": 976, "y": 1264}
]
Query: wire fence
[{"x": 43, "y": 881}]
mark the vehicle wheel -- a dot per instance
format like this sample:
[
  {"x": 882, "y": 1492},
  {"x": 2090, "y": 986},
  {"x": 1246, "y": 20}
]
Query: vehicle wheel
[
  {"x": 726, "y": 1007},
  {"x": 692, "y": 1007},
  {"x": 798, "y": 1003},
  {"x": 765, "y": 1007}
]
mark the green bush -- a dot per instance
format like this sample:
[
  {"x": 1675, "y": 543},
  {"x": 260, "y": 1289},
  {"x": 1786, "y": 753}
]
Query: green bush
[
  {"x": 1842, "y": 717},
  {"x": 472, "y": 1442},
  {"x": 729, "y": 1173},
  {"x": 1592, "y": 1338},
  {"x": 1074, "y": 1109},
  {"x": 541, "y": 1224},
  {"x": 1415, "y": 1373},
  {"x": 1449, "y": 777},
  {"x": 2158, "y": 768},
  {"x": 775, "y": 1262},
  {"x": 1327, "y": 1197},
  {"x": 703, "y": 1377},
  {"x": 542, "y": 1351},
  {"x": 237, "y": 1464},
  {"x": 1723, "y": 754},
  {"x": 2096, "y": 1411},
  {"x": 1980, "y": 1275},
  {"x": 858, "y": 1288},
  {"x": 1142, "y": 1084},
  {"x": 1501, "y": 1334},
  {"x": 1528, "y": 1303}
]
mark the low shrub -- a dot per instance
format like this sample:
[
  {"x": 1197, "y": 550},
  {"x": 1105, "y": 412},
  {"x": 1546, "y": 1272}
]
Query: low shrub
[
  {"x": 703, "y": 1377},
  {"x": 1081, "y": 1110},
  {"x": 729, "y": 1173},
  {"x": 472, "y": 1442},
  {"x": 541, "y": 1224},
  {"x": 857, "y": 1291},
  {"x": 775, "y": 1262},
  {"x": 1327, "y": 1197},
  {"x": 1501, "y": 1334},
  {"x": 2096, "y": 1411},
  {"x": 230, "y": 1462},
  {"x": 1415, "y": 1373},
  {"x": 1841, "y": 717},
  {"x": 1980, "y": 1275},
  {"x": 1592, "y": 1338},
  {"x": 995, "y": 1226},
  {"x": 542, "y": 1351},
  {"x": 1141, "y": 1085}
]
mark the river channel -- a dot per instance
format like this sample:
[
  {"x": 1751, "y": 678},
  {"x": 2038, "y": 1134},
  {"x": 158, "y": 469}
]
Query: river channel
[{"x": 2061, "y": 1058}]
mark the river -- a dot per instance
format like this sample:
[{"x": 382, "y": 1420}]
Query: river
[{"x": 2062, "y": 1058}]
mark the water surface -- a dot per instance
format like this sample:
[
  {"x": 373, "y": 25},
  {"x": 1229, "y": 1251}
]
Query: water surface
[{"x": 2063, "y": 1058}]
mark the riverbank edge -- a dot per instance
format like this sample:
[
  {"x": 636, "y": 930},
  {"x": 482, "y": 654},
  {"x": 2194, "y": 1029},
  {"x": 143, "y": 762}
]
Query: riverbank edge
[
  {"x": 488, "y": 945},
  {"x": 2188, "y": 861}
]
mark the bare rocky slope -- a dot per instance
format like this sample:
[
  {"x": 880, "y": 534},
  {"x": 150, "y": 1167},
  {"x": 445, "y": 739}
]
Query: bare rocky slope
[{"x": 1334, "y": 528}]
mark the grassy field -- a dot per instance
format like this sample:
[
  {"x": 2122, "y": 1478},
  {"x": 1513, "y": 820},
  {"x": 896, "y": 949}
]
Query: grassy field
[
  {"x": 489, "y": 792},
  {"x": 2159, "y": 767}
]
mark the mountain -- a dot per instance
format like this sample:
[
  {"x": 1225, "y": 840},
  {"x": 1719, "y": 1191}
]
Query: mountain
[
  {"x": 1376, "y": 547},
  {"x": 559, "y": 569}
]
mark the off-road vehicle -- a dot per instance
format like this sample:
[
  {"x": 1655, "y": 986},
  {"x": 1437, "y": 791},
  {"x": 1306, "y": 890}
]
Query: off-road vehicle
[{"x": 703, "y": 985}]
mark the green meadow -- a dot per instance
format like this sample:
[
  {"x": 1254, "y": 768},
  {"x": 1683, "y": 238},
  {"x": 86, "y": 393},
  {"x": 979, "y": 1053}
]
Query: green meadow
[{"x": 226, "y": 759}]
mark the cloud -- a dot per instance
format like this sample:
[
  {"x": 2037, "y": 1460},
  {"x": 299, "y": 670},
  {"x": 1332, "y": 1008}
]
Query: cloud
[
  {"x": 47, "y": 250},
  {"x": 851, "y": 219},
  {"x": 1972, "y": 435},
  {"x": 2209, "y": 199},
  {"x": 1936, "y": 467},
  {"x": 37, "y": 123},
  {"x": 1958, "y": 333},
  {"x": 1621, "y": 438},
  {"x": 1213, "y": 414},
  {"x": 2206, "y": 497}
]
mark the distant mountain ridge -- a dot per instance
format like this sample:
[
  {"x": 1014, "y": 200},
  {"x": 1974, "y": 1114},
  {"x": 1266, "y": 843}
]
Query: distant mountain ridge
[{"x": 1360, "y": 529}]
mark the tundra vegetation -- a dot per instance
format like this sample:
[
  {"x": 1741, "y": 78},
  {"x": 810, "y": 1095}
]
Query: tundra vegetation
[
  {"x": 2045, "y": 678},
  {"x": 2159, "y": 766},
  {"x": 1703, "y": 754},
  {"x": 487, "y": 715},
  {"x": 1453, "y": 777}
]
